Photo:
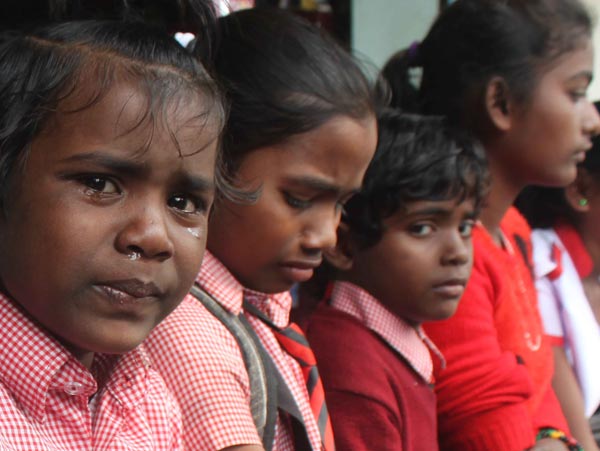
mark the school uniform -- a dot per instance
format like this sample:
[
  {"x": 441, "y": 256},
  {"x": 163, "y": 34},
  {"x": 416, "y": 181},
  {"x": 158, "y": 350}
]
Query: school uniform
[
  {"x": 202, "y": 364},
  {"x": 50, "y": 401},
  {"x": 377, "y": 374},
  {"x": 495, "y": 392},
  {"x": 561, "y": 261}
]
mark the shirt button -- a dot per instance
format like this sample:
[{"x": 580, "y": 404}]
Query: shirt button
[{"x": 73, "y": 388}]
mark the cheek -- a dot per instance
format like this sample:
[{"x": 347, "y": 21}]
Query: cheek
[{"x": 190, "y": 244}]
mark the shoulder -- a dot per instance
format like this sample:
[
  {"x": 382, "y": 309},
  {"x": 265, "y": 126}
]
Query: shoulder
[
  {"x": 196, "y": 354},
  {"x": 344, "y": 347},
  {"x": 202, "y": 364},
  {"x": 159, "y": 398},
  {"x": 334, "y": 334},
  {"x": 190, "y": 331},
  {"x": 514, "y": 222}
]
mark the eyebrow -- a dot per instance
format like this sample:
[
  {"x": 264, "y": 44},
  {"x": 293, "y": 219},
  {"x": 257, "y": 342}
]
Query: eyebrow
[
  {"x": 437, "y": 211},
  {"x": 317, "y": 184},
  {"x": 109, "y": 162},
  {"x": 138, "y": 170}
]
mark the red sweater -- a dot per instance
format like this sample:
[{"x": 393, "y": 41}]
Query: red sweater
[
  {"x": 375, "y": 400},
  {"x": 495, "y": 392}
]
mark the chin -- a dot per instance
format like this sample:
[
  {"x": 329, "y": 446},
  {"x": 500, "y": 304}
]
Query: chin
[
  {"x": 119, "y": 342},
  {"x": 559, "y": 180},
  {"x": 445, "y": 313},
  {"x": 270, "y": 286}
]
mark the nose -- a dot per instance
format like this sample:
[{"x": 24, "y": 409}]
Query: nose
[
  {"x": 320, "y": 232},
  {"x": 591, "y": 120},
  {"x": 145, "y": 233},
  {"x": 457, "y": 250}
]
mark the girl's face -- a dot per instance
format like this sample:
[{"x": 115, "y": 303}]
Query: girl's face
[
  {"x": 426, "y": 252},
  {"x": 551, "y": 134},
  {"x": 279, "y": 240},
  {"x": 106, "y": 228}
]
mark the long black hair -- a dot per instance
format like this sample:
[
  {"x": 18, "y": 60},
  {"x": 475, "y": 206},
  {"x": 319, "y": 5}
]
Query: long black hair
[
  {"x": 475, "y": 40},
  {"x": 283, "y": 76}
]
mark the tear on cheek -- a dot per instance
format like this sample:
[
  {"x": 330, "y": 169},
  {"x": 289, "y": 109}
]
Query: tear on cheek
[{"x": 195, "y": 232}]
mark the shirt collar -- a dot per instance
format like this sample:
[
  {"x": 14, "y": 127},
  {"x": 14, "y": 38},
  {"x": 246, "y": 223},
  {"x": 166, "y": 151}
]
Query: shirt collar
[
  {"x": 276, "y": 306},
  {"x": 128, "y": 381},
  {"x": 409, "y": 341},
  {"x": 216, "y": 279},
  {"x": 576, "y": 249},
  {"x": 32, "y": 363},
  {"x": 29, "y": 358}
]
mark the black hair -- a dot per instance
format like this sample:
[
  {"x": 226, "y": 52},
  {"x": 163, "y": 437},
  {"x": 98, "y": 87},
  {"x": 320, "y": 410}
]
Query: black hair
[
  {"x": 401, "y": 80},
  {"x": 544, "y": 206},
  {"x": 42, "y": 69},
  {"x": 172, "y": 15},
  {"x": 474, "y": 40},
  {"x": 194, "y": 16},
  {"x": 417, "y": 158},
  {"x": 283, "y": 76}
]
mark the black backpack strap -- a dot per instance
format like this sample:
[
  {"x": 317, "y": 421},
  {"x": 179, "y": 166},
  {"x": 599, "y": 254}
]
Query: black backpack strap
[
  {"x": 260, "y": 386},
  {"x": 285, "y": 399},
  {"x": 273, "y": 383}
]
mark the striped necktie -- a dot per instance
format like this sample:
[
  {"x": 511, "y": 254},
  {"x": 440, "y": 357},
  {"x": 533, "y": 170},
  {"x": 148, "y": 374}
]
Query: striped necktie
[{"x": 293, "y": 341}]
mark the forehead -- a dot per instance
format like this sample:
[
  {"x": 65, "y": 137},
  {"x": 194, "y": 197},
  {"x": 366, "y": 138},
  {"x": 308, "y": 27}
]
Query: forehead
[
  {"x": 577, "y": 63},
  {"x": 126, "y": 112},
  {"x": 124, "y": 123},
  {"x": 444, "y": 208},
  {"x": 340, "y": 148}
]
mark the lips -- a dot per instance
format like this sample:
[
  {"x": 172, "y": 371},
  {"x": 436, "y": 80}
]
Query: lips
[
  {"x": 130, "y": 291},
  {"x": 305, "y": 264},
  {"x": 451, "y": 288},
  {"x": 300, "y": 271}
]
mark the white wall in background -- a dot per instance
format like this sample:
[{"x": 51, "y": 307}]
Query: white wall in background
[{"x": 381, "y": 27}]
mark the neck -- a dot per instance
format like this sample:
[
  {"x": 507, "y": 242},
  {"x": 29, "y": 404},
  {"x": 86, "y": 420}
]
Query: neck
[
  {"x": 85, "y": 357},
  {"x": 502, "y": 194}
]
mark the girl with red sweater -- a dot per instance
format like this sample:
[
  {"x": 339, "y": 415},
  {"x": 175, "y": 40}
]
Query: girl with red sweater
[
  {"x": 515, "y": 73},
  {"x": 566, "y": 258}
]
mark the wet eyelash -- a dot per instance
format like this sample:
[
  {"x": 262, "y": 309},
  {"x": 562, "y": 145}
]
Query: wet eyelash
[
  {"x": 200, "y": 206},
  {"x": 88, "y": 181},
  {"x": 294, "y": 202}
]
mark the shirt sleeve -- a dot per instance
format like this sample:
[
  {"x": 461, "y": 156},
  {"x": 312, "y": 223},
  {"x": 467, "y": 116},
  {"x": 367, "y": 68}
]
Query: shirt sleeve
[
  {"x": 203, "y": 366},
  {"x": 175, "y": 421},
  {"x": 483, "y": 390}
]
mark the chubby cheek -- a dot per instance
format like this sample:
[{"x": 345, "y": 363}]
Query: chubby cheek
[{"x": 190, "y": 245}]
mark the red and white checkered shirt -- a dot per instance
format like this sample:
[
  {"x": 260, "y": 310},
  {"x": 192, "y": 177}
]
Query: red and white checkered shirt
[
  {"x": 45, "y": 396},
  {"x": 203, "y": 365},
  {"x": 409, "y": 341}
]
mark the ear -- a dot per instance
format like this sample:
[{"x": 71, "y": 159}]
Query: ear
[
  {"x": 498, "y": 103},
  {"x": 578, "y": 192},
  {"x": 341, "y": 255}
]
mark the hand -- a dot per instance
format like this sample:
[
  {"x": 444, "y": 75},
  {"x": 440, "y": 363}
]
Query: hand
[{"x": 549, "y": 444}]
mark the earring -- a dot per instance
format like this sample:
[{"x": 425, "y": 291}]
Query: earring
[{"x": 583, "y": 202}]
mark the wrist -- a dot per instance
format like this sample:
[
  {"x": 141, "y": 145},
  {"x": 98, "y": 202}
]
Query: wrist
[{"x": 557, "y": 434}]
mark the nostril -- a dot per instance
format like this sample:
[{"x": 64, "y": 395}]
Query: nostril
[{"x": 134, "y": 253}]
